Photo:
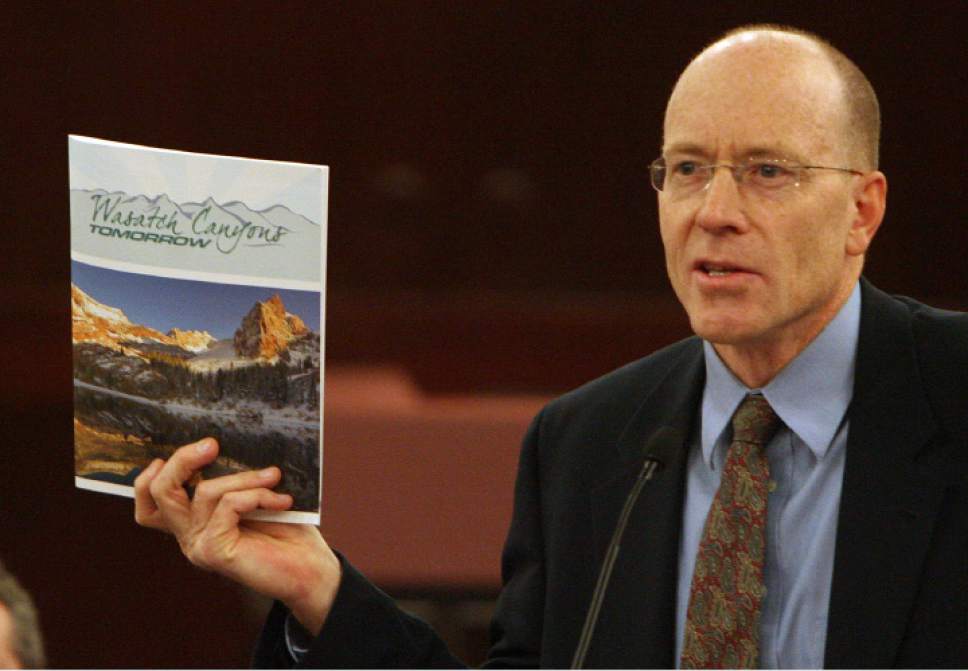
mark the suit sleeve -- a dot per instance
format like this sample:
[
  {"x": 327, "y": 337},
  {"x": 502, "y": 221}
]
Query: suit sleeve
[
  {"x": 516, "y": 630},
  {"x": 366, "y": 629}
]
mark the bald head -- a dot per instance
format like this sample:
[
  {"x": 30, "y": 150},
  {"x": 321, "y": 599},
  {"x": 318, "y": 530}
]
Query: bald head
[{"x": 823, "y": 83}]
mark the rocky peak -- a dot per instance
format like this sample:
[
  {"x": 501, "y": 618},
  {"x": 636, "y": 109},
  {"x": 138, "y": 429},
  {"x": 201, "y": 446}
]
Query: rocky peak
[
  {"x": 95, "y": 322},
  {"x": 85, "y": 307},
  {"x": 193, "y": 341},
  {"x": 267, "y": 330},
  {"x": 297, "y": 325}
]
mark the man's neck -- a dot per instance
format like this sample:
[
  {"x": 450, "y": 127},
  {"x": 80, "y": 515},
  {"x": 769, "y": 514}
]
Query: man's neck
[{"x": 756, "y": 363}]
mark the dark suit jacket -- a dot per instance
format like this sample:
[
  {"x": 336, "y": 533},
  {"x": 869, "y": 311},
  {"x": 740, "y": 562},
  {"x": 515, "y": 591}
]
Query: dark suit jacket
[{"x": 900, "y": 582}]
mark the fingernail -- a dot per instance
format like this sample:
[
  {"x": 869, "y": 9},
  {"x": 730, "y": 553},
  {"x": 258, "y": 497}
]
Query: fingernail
[
  {"x": 267, "y": 474},
  {"x": 203, "y": 446}
]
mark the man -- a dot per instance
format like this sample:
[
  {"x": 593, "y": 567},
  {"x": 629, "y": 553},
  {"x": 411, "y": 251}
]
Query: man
[
  {"x": 814, "y": 511},
  {"x": 21, "y": 645}
]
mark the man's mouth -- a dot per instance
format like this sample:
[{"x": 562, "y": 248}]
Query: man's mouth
[{"x": 719, "y": 269}]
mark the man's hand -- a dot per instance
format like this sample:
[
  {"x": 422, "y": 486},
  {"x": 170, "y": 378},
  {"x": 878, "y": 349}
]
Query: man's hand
[{"x": 288, "y": 562}]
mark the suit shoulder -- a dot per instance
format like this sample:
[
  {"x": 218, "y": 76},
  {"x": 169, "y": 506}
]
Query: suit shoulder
[
  {"x": 952, "y": 320},
  {"x": 941, "y": 339},
  {"x": 576, "y": 435},
  {"x": 938, "y": 333},
  {"x": 629, "y": 384}
]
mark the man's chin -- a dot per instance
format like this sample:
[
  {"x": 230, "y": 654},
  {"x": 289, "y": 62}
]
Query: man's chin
[{"x": 721, "y": 330}]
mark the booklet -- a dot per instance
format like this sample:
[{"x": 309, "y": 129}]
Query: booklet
[{"x": 197, "y": 305}]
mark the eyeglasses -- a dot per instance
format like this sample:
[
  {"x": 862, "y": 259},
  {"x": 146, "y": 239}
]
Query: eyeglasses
[{"x": 762, "y": 176}]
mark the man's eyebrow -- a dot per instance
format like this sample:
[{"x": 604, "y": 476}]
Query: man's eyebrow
[
  {"x": 685, "y": 148},
  {"x": 775, "y": 151},
  {"x": 778, "y": 151}
]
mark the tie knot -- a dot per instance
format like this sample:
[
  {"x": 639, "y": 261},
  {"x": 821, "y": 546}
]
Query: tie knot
[{"x": 754, "y": 421}]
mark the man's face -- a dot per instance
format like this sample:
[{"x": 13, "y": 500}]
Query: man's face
[
  {"x": 8, "y": 658},
  {"x": 755, "y": 270}
]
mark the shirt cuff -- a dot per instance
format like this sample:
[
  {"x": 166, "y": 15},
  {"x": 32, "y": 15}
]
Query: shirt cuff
[{"x": 298, "y": 639}]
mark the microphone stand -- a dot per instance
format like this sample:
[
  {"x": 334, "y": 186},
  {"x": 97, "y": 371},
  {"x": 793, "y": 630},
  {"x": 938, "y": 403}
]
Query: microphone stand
[{"x": 661, "y": 443}]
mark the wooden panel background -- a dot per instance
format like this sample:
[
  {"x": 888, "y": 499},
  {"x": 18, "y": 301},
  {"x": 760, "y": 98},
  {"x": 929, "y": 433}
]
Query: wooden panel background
[{"x": 493, "y": 242}]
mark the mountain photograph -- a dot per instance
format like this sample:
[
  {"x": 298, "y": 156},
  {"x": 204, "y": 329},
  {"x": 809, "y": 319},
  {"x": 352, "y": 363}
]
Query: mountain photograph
[{"x": 162, "y": 362}]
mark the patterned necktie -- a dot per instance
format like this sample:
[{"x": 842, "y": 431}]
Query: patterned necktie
[{"x": 722, "y": 621}]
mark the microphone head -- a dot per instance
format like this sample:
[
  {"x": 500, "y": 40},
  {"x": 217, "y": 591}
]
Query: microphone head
[{"x": 663, "y": 444}]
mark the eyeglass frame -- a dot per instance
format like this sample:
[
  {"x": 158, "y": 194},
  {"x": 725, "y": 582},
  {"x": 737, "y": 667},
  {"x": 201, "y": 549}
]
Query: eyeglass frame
[{"x": 739, "y": 170}]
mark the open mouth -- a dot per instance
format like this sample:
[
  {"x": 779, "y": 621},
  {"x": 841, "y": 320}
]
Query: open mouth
[{"x": 719, "y": 269}]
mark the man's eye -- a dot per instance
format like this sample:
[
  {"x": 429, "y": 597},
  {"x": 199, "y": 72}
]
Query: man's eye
[
  {"x": 768, "y": 170},
  {"x": 685, "y": 168}
]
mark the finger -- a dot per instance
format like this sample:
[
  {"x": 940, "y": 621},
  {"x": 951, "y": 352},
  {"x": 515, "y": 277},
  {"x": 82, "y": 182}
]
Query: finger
[
  {"x": 209, "y": 492},
  {"x": 167, "y": 488},
  {"x": 145, "y": 508},
  {"x": 234, "y": 505},
  {"x": 214, "y": 546}
]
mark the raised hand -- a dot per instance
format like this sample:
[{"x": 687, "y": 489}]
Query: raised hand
[{"x": 288, "y": 562}]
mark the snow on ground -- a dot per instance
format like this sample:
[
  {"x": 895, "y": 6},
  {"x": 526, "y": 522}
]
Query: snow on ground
[{"x": 287, "y": 420}]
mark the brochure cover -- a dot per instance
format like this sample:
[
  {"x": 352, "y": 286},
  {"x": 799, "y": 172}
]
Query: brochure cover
[{"x": 197, "y": 304}]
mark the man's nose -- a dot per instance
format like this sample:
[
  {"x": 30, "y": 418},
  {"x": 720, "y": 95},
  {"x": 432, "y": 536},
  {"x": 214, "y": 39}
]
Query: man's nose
[{"x": 722, "y": 208}]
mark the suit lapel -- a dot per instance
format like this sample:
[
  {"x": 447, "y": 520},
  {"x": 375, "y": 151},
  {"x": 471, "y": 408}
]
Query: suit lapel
[
  {"x": 637, "y": 623},
  {"x": 888, "y": 503}
]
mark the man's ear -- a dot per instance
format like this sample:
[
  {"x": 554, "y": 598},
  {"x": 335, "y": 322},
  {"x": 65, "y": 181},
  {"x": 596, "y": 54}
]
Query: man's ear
[{"x": 870, "y": 201}]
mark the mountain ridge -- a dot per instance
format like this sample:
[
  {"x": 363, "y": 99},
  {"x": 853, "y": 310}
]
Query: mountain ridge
[
  {"x": 95, "y": 322},
  {"x": 265, "y": 333}
]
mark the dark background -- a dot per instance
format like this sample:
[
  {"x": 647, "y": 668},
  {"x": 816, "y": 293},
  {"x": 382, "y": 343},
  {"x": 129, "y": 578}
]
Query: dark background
[{"x": 492, "y": 229}]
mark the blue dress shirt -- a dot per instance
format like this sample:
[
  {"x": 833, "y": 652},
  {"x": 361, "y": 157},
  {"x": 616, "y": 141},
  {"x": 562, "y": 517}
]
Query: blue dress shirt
[{"x": 806, "y": 456}]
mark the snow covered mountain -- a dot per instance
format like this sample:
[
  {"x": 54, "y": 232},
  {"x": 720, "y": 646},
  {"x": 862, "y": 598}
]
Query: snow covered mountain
[
  {"x": 267, "y": 333},
  {"x": 94, "y": 322}
]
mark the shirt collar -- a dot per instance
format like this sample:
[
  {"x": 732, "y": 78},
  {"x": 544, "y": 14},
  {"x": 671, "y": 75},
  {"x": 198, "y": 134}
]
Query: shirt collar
[{"x": 810, "y": 394}]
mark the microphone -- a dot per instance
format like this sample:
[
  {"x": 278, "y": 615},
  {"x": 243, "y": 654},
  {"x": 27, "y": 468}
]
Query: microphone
[{"x": 658, "y": 452}]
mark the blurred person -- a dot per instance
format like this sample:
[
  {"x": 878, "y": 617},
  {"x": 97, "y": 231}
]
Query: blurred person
[{"x": 21, "y": 644}]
